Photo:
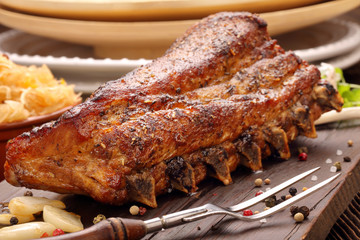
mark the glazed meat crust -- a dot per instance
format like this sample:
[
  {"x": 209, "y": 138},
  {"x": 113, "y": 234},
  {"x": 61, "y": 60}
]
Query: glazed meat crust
[{"x": 224, "y": 94}]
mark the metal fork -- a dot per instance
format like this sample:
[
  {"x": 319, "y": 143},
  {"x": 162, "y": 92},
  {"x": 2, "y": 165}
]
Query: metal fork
[{"x": 121, "y": 228}]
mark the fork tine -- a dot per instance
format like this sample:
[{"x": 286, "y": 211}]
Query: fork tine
[
  {"x": 194, "y": 214},
  {"x": 271, "y": 192},
  {"x": 290, "y": 201}
]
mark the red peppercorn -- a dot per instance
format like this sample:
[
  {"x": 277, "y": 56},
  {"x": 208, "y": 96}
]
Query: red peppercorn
[
  {"x": 45, "y": 234},
  {"x": 303, "y": 156},
  {"x": 58, "y": 232},
  {"x": 247, "y": 212},
  {"x": 142, "y": 210},
  {"x": 258, "y": 193}
]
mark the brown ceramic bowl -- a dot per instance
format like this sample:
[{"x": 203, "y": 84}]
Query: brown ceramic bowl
[{"x": 11, "y": 130}]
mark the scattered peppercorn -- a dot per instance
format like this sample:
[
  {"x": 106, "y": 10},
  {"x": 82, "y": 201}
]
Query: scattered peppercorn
[
  {"x": 338, "y": 166},
  {"x": 199, "y": 228},
  {"x": 305, "y": 211},
  {"x": 134, "y": 210},
  {"x": 256, "y": 212},
  {"x": 14, "y": 220},
  {"x": 142, "y": 210},
  {"x": 267, "y": 181},
  {"x": 267, "y": 208},
  {"x": 283, "y": 197},
  {"x": 303, "y": 156},
  {"x": 294, "y": 210},
  {"x": 258, "y": 193},
  {"x": 45, "y": 234},
  {"x": 350, "y": 143},
  {"x": 258, "y": 182},
  {"x": 347, "y": 159},
  {"x": 288, "y": 197},
  {"x": 304, "y": 188},
  {"x": 99, "y": 218},
  {"x": 28, "y": 193},
  {"x": 292, "y": 191},
  {"x": 299, "y": 217},
  {"x": 303, "y": 150},
  {"x": 58, "y": 232},
  {"x": 247, "y": 212},
  {"x": 278, "y": 201},
  {"x": 270, "y": 202}
]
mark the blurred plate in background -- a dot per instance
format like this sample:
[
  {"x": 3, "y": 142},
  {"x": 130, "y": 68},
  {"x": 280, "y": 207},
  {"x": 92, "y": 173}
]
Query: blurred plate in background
[
  {"x": 145, "y": 10},
  {"x": 334, "y": 41}
]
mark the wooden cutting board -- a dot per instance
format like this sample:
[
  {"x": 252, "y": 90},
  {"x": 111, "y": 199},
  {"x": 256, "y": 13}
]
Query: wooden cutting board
[{"x": 326, "y": 205}]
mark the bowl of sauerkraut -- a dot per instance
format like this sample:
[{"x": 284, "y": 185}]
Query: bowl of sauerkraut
[{"x": 29, "y": 97}]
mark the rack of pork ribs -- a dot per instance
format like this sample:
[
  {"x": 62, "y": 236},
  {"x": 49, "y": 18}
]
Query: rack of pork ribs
[{"x": 223, "y": 94}]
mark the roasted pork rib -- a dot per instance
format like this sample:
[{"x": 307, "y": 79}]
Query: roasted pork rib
[{"x": 224, "y": 94}]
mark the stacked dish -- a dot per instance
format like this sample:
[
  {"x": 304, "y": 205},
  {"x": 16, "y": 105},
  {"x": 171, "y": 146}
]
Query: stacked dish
[{"x": 88, "y": 42}]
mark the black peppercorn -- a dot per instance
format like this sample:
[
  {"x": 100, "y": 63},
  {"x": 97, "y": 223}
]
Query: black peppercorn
[
  {"x": 14, "y": 220},
  {"x": 28, "y": 193},
  {"x": 347, "y": 159},
  {"x": 292, "y": 191},
  {"x": 304, "y": 210},
  {"x": 283, "y": 197},
  {"x": 294, "y": 210}
]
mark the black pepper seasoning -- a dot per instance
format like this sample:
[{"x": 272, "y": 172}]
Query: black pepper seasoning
[
  {"x": 294, "y": 210},
  {"x": 28, "y": 193},
  {"x": 304, "y": 210},
  {"x": 292, "y": 191}
]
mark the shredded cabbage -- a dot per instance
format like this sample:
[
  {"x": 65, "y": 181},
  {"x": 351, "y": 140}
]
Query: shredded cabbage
[{"x": 31, "y": 91}]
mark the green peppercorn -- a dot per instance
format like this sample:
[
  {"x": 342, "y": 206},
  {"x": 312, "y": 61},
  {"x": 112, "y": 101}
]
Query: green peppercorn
[
  {"x": 270, "y": 201},
  {"x": 303, "y": 150},
  {"x": 338, "y": 166},
  {"x": 99, "y": 218}
]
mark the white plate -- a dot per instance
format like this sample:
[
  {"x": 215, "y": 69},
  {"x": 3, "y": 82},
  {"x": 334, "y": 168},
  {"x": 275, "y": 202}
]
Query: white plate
[
  {"x": 349, "y": 113},
  {"x": 77, "y": 64},
  {"x": 322, "y": 41}
]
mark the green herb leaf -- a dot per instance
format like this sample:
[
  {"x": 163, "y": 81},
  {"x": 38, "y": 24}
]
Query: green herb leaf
[{"x": 349, "y": 92}]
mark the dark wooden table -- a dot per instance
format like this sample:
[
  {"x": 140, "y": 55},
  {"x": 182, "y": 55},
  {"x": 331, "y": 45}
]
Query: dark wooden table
[{"x": 326, "y": 205}]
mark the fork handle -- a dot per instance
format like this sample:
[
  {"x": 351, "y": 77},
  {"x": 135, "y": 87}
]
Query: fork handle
[{"x": 109, "y": 229}]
